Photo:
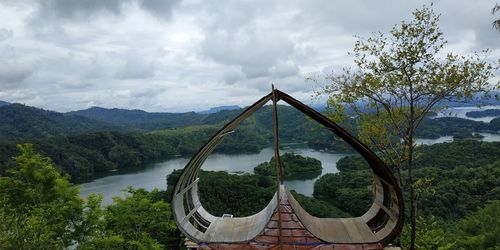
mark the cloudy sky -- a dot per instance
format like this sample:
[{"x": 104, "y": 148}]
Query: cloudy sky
[{"x": 183, "y": 55}]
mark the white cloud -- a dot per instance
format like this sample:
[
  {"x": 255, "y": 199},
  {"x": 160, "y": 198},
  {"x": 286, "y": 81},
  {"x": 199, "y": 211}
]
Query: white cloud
[{"x": 189, "y": 55}]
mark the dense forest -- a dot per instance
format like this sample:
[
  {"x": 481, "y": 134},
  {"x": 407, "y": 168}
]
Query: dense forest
[
  {"x": 458, "y": 182},
  {"x": 483, "y": 113},
  {"x": 459, "y": 187},
  {"x": 86, "y": 147},
  {"x": 40, "y": 209},
  {"x": 294, "y": 167}
]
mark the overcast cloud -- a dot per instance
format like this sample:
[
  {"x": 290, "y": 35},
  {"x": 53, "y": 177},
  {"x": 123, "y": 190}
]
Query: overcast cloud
[{"x": 183, "y": 55}]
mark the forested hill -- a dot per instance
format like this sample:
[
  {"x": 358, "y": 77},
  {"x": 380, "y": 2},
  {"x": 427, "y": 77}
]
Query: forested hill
[
  {"x": 155, "y": 120},
  {"x": 141, "y": 119},
  {"x": 2, "y": 103},
  {"x": 18, "y": 121}
]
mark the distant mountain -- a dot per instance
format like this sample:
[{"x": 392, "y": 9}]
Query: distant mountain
[
  {"x": 2, "y": 103},
  {"x": 219, "y": 108},
  {"x": 18, "y": 121},
  {"x": 318, "y": 107},
  {"x": 140, "y": 118},
  {"x": 478, "y": 99},
  {"x": 154, "y": 121}
]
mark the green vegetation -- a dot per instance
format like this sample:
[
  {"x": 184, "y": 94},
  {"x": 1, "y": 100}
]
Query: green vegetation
[
  {"x": 483, "y": 113},
  {"x": 86, "y": 155},
  {"x": 319, "y": 208},
  {"x": 39, "y": 208},
  {"x": 479, "y": 230},
  {"x": 20, "y": 121},
  {"x": 70, "y": 141},
  {"x": 454, "y": 180},
  {"x": 467, "y": 153},
  {"x": 239, "y": 195},
  {"x": 434, "y": 128},
  {"x": 463, "y": 175},
  {"x": 243, "y": 195},
  {"x": 458, "y": 191},
  {"x": 294, "y": 167},
  {"x": 349, "y": 191},
  {"x": 142, "y": 220},
  {"x": 399, "y": 77},
  {"x": 352, "y": 163}
]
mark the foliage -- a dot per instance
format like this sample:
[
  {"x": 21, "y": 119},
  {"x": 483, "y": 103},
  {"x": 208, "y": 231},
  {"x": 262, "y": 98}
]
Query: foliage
[
  {"x": 85, "y": 156},
  {"x": 352, "y": 163},
  {"x": 459, "y": 191},
  {"x": 20, "y": 121},
  {"x": 479, "y": 230},
  {"x": 400, "y": 76},
  {"x": 452, "y": 180},
  {"x": 434, "y": 128},
  {"x": 319, "y": 208},
  {"x": 294, "y": 167},
  {"x": 430, "y": 234},
  {"x": 140, "y": 221},
  {"x": 243, "y": 195},
  {"x": 467, "y": 153},
  {"x": 495, "y": 123},
  {"x": 349, "y": 191},
  {"x": 399, "y": 79},
  {"x": 239, "y": 195},
  {"x": 483, "y": 113},
  {"x": 39, "y": 207}
]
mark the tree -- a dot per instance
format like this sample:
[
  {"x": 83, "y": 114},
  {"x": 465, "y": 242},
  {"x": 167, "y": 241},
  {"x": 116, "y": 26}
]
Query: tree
[
  {"x": 496, "y": 23},
  {"x": 142, "y": 220},
  {"x": 479, "y": 230},
  {"x": 398, "y": 79},
  {"x": 39, "y": 208}
]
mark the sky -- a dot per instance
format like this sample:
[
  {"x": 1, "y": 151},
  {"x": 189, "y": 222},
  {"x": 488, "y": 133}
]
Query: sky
[{"x": 190, "y": 55}]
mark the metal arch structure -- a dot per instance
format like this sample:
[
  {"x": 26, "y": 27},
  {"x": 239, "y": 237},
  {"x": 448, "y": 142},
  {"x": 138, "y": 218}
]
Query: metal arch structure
[{"x": 380, "y": 225}]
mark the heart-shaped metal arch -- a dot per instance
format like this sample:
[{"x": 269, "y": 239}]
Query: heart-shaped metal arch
[{"x": 380, "y": 224}]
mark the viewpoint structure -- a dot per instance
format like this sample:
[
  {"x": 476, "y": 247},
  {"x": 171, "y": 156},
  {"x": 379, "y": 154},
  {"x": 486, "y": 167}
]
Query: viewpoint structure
[{"x": 283, "y": 223}]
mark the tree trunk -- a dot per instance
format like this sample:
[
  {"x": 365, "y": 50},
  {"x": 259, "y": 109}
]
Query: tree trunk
[
  {"x": 413, "y": 221},
  {"x": 400, "y": 176},
  {"x": 412, "y": 195}
]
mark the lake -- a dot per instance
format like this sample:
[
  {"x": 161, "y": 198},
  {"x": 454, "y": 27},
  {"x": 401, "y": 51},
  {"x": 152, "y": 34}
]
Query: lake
[
  {"x": 154, "y": 175},
  {"x": 461, "y": 111}
]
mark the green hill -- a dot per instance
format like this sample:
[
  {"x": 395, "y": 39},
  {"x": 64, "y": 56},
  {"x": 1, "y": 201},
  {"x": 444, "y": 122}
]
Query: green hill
[{"x": 20, "y": 121}]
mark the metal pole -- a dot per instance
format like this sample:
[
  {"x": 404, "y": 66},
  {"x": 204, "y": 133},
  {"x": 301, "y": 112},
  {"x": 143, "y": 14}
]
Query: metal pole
[{"x": 277, "y": 161}]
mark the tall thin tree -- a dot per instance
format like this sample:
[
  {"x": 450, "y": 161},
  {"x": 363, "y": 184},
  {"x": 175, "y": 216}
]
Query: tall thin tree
[{"x": 400, "y": 77}]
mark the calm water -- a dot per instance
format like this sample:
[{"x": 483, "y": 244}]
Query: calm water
[
  {"x": 154, "y": 176},
  {"x": 461, "y": 111}
]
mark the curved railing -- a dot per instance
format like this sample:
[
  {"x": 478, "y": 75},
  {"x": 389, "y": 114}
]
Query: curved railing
[{"x": 380, "y": 224}]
